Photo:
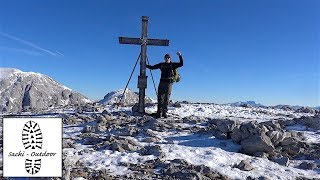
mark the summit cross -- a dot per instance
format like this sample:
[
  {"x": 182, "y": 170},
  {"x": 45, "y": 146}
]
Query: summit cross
[{"x": 144, "y": 41}]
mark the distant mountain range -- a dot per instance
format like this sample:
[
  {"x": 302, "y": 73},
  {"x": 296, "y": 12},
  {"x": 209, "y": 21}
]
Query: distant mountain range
[
  {"x": 24, "y": 91},
  {"x": 254, "y": 104},
  {"x": 246, "y": 103}
]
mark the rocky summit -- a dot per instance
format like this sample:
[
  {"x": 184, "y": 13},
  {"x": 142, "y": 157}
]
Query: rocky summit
[
  {"x": 29, "y": 91},
  {"x": 196, "y": 141}
]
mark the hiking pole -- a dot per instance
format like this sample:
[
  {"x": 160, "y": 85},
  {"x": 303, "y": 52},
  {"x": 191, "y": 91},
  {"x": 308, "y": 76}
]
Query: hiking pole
[
  {"x": 129, "y": 78},
  {"x": 154, "y": 85}
]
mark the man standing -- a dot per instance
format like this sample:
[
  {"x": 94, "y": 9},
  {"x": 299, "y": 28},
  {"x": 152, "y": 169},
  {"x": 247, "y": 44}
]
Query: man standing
[{"x": 166, "y": 80}]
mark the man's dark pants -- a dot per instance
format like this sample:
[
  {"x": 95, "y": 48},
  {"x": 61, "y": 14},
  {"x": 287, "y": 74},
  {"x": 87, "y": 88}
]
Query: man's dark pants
[{"x": 164, "y": 92}]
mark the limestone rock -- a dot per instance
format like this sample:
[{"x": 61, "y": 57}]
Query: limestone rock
[
  {"x": 226, "y": 125},
  {"x": 257, "y": 143},
  {"x": 244, "y": 165},
  {"x": 284, "y": 161},
  {"x": 276, "y": 136},
  {"x": 307, "y": 165}
]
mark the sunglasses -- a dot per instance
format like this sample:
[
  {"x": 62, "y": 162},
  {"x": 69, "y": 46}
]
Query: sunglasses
[{"x": 167, "y": 57}]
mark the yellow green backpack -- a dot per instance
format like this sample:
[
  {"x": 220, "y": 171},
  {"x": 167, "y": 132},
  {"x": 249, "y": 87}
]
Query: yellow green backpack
[{"x": 176, "y": 76}]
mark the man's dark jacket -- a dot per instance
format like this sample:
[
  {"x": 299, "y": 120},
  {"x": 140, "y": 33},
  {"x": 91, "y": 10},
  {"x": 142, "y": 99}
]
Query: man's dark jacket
[{"x": 166, "y": 69}]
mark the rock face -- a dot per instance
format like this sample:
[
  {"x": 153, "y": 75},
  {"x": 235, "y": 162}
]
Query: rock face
[
  {"x": 130, "y": 98},
  {"x": 24, "y": 91}
]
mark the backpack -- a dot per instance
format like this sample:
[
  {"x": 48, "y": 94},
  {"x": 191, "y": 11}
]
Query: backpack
[{"x": 176, "y": 76}]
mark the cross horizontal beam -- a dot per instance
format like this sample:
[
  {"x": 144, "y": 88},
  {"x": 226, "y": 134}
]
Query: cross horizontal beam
[{"x": 139, "y": 41}]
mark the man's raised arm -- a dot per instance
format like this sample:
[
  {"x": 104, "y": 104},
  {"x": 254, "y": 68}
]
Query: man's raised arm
[{"x": 180, "y": 64}]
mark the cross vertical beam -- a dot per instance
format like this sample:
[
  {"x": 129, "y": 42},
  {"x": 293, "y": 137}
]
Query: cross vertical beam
[
  {"x": 142, "y": 79},
  {"x": 143, "y": 41}
]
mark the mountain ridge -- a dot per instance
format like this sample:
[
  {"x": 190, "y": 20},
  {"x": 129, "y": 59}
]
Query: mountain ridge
[{"x": 24, "y": 91}]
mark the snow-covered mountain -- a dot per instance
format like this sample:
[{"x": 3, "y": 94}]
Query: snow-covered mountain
[
  {"x": 246, "y": 103},
  {"x": 130, "y": 97},
  {"x": 21, "y": 91}
]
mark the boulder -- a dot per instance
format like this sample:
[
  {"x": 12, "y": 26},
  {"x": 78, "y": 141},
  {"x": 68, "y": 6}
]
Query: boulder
[
  {"x": 220, "y": 135},
  {"x": 239, "y": 133},
  {"x": 261, "y": 155},
  {"x": 226, "y": 125},
  {"x": 292, "y": 146},
  {"x": 245, "y": 130},
  {"x": 276, "y": 137},
  {"x": 307, "y": 166},
  {"x": 272, "y": 125},
  {"x": 91, "y": 140},
  {"x": 257, "y": 143},
  {"x": 152, "y": 150},
  {"x": 289, "y": 141},
  {"x": 292, "y": 150},
  {"x": 117, "y": 147},
  {"x": 244, "y": 165},
  {"x": 284, "y": 161}
]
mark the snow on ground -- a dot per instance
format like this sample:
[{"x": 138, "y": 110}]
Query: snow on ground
[
  {"x": 221, "y": 155},
  {"x": 223, "y": 161},
  {"x": 224, "y": 111},
  {"x": 240, "y": 113},
  {"x": 106, "y": 159}
]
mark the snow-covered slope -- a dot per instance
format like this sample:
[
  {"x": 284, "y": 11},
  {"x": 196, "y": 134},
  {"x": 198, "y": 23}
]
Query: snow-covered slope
[
  {"x": 129, "y": 98},
  {"x": 33, "y": 91}
]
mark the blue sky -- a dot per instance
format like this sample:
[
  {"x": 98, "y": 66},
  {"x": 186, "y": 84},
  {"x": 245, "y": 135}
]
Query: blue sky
[{"x": 266, "y": 51}]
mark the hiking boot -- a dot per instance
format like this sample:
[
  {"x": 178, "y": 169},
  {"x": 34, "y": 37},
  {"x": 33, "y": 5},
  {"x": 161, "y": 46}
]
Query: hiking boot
[
  {"x": 158, "y": 115},
  {"x": 165, "y": 115}
]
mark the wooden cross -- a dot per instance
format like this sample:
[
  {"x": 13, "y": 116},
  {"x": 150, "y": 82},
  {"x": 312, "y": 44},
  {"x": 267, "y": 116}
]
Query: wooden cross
[{"x": 143, "y": 41}]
